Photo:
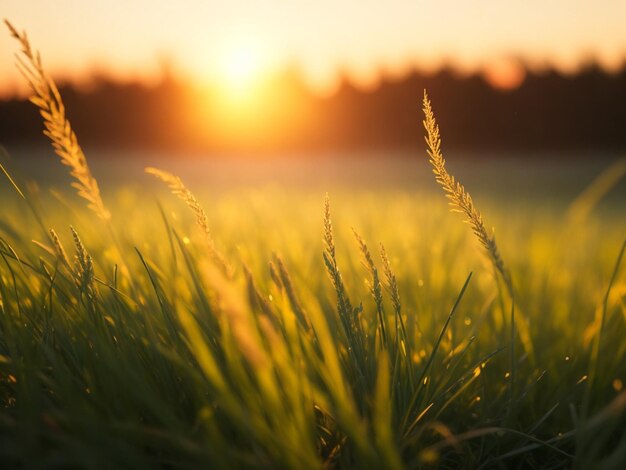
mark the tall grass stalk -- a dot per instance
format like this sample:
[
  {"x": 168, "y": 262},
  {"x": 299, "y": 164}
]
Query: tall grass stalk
[
  {"x": 459, "y": 198},
  {"x": 45, "y": 95},
  {"x": 348, "y": 315},
  {"x": 179, "y": 189},
  {"x": 83, "y": 267},
  {"x": 375, "y": 287},
  {"x": 461, "y": 201}
]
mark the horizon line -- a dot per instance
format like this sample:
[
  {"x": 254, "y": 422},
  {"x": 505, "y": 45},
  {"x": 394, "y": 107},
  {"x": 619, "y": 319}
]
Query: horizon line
[{"x": 504, "y": 74}]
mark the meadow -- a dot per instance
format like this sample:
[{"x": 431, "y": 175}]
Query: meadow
[{"x": 255, "y": 325}]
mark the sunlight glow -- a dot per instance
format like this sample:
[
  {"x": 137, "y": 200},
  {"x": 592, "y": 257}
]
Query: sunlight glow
[
  {"x": 504, "y": 74},
  {"x": 322, "y": 37},
  {"x": 240, "y": 66}
]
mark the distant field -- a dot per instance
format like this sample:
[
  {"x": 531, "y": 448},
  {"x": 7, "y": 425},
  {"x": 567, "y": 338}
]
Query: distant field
[
  {"x": 119, "y": 367},
  {"x": 514, "y": 177}
]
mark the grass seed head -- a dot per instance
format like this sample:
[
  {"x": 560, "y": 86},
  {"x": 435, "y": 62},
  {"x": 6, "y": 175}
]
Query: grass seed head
[
  {"x": 178, "y": 188},
  {"x": 458, "y": 197},
  {"x": 83, "y": 266},
  {"x": 46, "y": 96}
]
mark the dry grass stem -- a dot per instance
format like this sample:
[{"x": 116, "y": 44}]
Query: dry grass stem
[
  {"x": 83, "y": 266},
  {"x": 45, "y": 95},
  {"x": 459, "y": 198},
  {"x": 58, "y": 248},
  {"x": 374, "y": 285},
  {"x": 179, "y": 189}
]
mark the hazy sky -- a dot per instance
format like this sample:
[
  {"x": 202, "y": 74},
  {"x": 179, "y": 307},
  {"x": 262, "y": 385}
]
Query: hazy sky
[{"x": 127, "y": 38}]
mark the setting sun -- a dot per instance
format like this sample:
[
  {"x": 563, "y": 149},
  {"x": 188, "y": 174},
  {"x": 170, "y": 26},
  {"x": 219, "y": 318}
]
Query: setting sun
[{"x": 240, "y": 66}]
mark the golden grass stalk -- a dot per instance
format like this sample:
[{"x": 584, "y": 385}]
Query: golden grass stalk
[
  {"x": 179, "y": 189},
  {"x": 58, "y": 248},
  {"x": 83, "y": 266},
  {"x": 459, "y": 198},
  {"x": 349, "y": 316},
  {"x": 462, "y": 202},
  {"x": 375, "y": 285},
  {"x": 391, "y": 282},
  {"x": 45, "y": 95},
  {"x": 343, "y": 302},
  {"x": 391, "y": 285}
]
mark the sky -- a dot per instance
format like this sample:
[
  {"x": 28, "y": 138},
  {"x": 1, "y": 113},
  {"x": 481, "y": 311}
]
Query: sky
[{"x": 232, "y": 41}]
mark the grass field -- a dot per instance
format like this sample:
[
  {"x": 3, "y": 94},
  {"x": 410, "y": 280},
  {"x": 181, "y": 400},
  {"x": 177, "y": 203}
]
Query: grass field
[
  {"x": 251, "y": 327},
  {"x": 158, "y": 359}
]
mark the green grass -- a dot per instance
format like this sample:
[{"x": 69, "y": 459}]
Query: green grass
[{"x": 165, "y": 362}]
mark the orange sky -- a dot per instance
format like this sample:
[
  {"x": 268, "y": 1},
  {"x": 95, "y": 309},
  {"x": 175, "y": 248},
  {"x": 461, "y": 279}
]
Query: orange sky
[{"x": 236, "y": 40}]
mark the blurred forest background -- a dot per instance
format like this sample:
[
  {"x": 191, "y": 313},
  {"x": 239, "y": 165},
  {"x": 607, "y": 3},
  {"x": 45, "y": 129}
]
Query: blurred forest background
[{"x": 547, "y": 112}]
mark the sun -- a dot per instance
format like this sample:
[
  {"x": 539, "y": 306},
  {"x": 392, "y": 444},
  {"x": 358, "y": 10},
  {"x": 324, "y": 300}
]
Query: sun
[{"x": 240, "y": 66}]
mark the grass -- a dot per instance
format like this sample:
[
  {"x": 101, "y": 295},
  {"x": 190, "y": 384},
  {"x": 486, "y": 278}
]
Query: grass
[{"x": 301, "y": 343}]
